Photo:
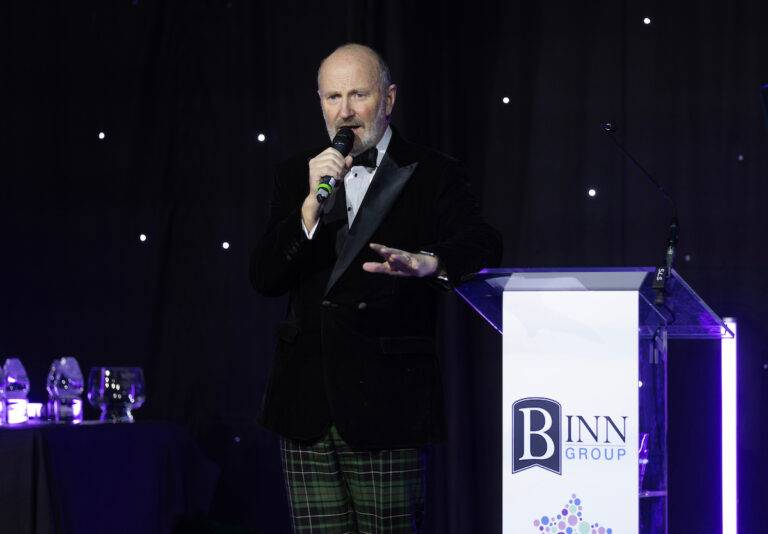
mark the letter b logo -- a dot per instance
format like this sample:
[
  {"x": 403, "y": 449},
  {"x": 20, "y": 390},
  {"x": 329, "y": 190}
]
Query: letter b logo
[{"x": 536, "y": 435}]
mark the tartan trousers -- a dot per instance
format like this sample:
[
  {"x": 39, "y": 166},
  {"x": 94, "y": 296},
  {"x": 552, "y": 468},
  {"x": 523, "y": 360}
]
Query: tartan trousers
[{"x": 333, "y": 489}]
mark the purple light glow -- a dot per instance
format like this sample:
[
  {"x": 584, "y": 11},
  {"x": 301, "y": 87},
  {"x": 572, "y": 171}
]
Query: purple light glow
[
  {"x": 34, "y": 410},
  {"x": 728, "y": 386},
  {"x": 17, "y": 411},
  {"x": 77, "y": 409}
]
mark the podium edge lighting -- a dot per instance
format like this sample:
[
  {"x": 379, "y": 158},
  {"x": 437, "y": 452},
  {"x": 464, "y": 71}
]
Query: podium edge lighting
[{"x": 729, "y": 428}]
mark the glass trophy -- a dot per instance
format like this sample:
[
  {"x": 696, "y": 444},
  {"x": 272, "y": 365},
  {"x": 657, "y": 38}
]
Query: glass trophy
[
  {"x": 16, "y": 389},
  {"x": 65, "y": 385},
  {"x": 116, "y": 392}
]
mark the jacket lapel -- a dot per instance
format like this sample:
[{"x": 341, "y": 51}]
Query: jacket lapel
[
  {"x": 336, "y": 206},
  {"x": 335, "y": 216},
  {"x": 385, "y": 187}
]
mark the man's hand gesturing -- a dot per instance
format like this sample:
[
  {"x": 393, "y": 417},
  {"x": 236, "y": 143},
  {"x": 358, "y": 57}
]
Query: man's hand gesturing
[{"x": 401, "y": 263}]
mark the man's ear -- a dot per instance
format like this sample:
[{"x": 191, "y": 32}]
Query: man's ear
[{"x": 391, "y": 96}]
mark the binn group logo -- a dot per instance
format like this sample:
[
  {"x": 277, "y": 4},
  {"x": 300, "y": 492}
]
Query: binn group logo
[
  {"x": 538, "y": 441},
  {"x": 536, "y": 432}
]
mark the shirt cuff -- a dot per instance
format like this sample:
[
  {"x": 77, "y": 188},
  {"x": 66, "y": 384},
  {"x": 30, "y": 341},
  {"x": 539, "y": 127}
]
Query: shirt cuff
[
  {"x": 440, "y": 273},
  {"x": 309, "y": 233}
]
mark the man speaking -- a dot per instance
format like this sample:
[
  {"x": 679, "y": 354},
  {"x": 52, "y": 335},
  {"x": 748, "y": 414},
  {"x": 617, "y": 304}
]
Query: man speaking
[{"x": 355, "y": 389}]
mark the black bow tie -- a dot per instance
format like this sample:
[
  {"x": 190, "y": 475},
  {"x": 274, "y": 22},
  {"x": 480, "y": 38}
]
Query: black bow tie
[{"x": 367, "y": 158}]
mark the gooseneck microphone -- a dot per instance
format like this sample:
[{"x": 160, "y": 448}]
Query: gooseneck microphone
[
  {"x": 342, "y": 141},
  {"x": 663, "y": 272}
]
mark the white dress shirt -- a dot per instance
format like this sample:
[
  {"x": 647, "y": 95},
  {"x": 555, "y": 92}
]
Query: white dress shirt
[{"x": 356, "y": 183}]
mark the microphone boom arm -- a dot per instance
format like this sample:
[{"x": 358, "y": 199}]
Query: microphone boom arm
[{"x": 662, "y": 273}]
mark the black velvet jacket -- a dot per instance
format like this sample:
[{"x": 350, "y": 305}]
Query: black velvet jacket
[{"x": 357, "y": 349}]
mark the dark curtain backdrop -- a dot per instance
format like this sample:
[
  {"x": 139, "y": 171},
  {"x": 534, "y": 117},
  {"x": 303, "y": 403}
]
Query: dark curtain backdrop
[{"x": 182, "y": 90}]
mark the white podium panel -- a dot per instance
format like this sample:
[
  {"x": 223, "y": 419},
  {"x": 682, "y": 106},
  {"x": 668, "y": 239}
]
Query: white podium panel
[{"x": 570, "y": 413}]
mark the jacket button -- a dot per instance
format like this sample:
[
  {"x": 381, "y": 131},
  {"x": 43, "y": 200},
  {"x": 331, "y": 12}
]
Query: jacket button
[{"x": 362, "y": 306}]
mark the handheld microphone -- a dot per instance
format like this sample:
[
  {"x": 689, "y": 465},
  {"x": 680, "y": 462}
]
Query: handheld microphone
[{"x": 342, "y": 141}]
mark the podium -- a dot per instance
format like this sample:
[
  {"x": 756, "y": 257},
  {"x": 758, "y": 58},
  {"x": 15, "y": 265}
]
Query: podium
[{"x": 584, "y": 382}]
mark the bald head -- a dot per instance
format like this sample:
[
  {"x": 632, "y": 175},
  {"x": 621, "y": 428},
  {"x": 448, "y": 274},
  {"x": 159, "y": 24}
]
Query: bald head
[{"x": 353, "y": 52}]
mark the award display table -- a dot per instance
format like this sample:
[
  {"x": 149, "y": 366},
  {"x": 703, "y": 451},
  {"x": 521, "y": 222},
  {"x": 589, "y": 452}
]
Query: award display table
[
  {"x": 585, "y": 393},
  {"x": 101, "y": 477}
]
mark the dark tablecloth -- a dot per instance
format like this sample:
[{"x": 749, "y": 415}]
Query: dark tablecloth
[{"x": 94, "y": 478}]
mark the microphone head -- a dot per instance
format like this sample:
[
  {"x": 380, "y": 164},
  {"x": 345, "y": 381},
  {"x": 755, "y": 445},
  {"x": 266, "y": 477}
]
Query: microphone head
[
  {"x": 608, "y": 127},
  {"x": 343, "y": 141}
]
